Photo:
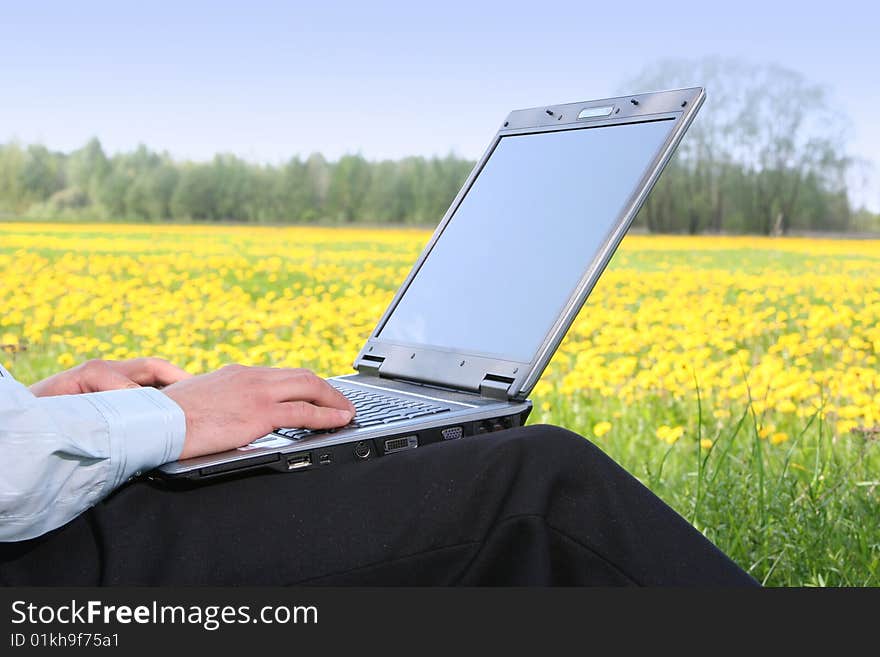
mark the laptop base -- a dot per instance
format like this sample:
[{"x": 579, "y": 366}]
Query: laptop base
[{"x": 356, "y": 451}]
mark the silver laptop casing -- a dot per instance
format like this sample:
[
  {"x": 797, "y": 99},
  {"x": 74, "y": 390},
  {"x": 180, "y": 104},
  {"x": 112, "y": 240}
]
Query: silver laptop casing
[{"x": 478, "y": 387}]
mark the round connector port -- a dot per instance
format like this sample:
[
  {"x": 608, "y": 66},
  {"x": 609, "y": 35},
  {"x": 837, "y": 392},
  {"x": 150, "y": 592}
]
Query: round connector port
[{"x": 363, "y": 450}]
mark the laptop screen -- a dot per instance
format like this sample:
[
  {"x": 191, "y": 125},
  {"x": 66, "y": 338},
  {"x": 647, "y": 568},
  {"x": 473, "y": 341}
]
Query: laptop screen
[{"x": 519, "y": 242}]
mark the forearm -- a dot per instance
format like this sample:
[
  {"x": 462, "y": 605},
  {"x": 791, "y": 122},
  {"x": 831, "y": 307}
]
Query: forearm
[{"x": 63, "y": 454}]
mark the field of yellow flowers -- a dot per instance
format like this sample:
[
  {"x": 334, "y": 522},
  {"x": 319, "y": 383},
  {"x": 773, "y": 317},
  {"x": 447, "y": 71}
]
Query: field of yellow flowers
[{"x": 737, "y": 377}]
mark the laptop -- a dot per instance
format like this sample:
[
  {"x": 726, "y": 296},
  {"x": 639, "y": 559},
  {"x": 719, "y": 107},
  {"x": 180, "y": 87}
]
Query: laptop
[{"x": 476, "y": 321}]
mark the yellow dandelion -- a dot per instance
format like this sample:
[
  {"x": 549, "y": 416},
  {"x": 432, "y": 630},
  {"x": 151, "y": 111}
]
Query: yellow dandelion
[
  {"x": 778, "y": 437},
  {"x": 601, "y": 428},
  {"x": 846, "y": 426},
  {"x": 670, "y": 434}
]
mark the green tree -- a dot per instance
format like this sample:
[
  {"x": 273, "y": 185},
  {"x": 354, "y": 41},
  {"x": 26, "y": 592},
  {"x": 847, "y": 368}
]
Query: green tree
[
  {"x": 195, "y": 194},
  {"x": 349, "y": 186},
  {"x": 13, "y": 195},
  {"x": 41, "y": 174},
  {"x": 87, "y": 167},
  {"x": 148, "y": 196}
]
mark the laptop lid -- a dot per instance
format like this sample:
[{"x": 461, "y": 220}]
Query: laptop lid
[{"x": 525, "y": 240}]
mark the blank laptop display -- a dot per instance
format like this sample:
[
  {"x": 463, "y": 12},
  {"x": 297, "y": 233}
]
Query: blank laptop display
[{"x": 521, "y": 239}]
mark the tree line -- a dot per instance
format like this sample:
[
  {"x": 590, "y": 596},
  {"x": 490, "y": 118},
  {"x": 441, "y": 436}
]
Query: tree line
[
  {"x": 145, "y": 185},
  {"x": 765, "y": 156}
]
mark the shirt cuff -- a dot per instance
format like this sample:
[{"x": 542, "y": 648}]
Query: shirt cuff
[{"x": 146, "y": 428}]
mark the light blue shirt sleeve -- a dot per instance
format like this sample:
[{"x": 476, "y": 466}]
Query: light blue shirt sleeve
[{"x": 61, "y": 455}]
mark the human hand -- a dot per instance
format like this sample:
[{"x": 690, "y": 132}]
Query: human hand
[
  {"x": 236, "y": 405},
  {"x": 102, "y": 375}
]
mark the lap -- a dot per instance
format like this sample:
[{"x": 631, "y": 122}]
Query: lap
[
  {"x": 441, "y": 514},
  {"x": 283, "y": 528}
]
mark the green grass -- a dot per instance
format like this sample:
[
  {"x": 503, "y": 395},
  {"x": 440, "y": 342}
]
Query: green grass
[{"x": 801, "y": 513}]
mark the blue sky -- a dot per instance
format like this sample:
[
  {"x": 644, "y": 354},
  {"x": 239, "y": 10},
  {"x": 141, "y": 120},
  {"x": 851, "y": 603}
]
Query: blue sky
[{"x": 270, "y": 80}]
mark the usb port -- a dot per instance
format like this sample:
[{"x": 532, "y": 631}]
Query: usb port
[{"x": 299, "y": 461}]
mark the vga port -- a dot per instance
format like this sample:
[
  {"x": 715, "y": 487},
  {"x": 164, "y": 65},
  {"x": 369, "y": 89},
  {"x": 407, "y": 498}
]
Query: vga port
[{"x": 452, "y": 433}]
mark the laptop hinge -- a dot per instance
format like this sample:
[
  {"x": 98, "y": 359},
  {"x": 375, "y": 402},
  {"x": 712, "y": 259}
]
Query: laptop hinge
[
  {"x": 370, "y": 365},
  {"x": 496, "y": 387}
]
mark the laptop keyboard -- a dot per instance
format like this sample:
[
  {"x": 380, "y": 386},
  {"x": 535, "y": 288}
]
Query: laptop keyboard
[{"x": 372, "y": 408}]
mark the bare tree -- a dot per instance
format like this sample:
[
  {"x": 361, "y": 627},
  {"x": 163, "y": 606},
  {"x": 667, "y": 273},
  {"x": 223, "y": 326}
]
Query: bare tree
[{"x": 764, "y": 120}]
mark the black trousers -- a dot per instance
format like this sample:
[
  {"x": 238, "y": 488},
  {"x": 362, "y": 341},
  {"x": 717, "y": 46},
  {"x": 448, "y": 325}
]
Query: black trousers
[{"x": 529, "y": 506}]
